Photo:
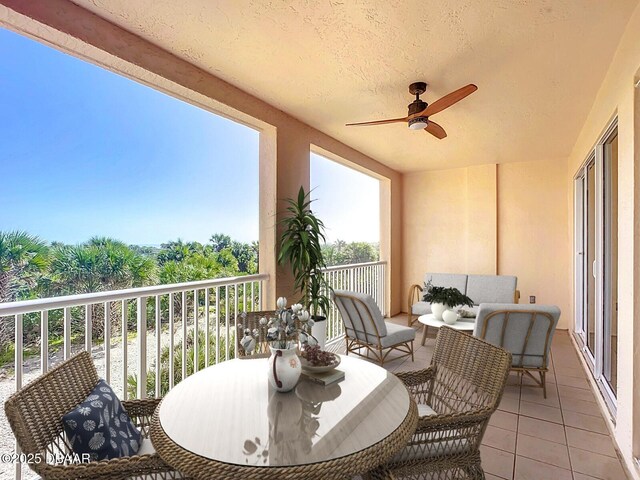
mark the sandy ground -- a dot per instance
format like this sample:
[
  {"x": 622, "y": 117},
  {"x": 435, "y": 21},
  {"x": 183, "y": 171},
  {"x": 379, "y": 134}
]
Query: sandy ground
[{"x": 32, "y": 370}]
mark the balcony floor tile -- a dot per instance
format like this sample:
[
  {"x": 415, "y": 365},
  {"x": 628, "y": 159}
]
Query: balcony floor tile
[{"x": 532, "y": 438}]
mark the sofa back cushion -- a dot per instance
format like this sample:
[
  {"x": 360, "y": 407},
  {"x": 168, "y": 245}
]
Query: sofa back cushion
[
  {"x": 527, "y": 333},
  {"x": 491, "y": 288},
  {"x": 361, "y": 316},
  {"x": 455, "y": 280}
]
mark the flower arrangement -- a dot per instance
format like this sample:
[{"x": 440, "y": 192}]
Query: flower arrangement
[{"x": 287, "y": 326}]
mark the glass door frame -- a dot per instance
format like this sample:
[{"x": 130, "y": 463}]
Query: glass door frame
[
  {"x": 582, "y": 269},
  {"x": 601, "y": 266}
]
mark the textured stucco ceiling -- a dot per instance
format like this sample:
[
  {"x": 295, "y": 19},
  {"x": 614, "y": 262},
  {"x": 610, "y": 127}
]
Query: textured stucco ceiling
[{"x": 538, "y": 65}]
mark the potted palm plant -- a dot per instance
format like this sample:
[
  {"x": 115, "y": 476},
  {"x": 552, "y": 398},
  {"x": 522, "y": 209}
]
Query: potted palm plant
[
  {"x": 443, "y": 301},
  {"x": 301, "y": 248}
]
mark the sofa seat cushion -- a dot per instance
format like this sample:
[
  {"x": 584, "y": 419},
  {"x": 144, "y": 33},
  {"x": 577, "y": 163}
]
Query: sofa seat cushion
[
  {"x": 146, "y": 447},
  {"x": 433, "y": 447},
  {"x": 425, "y": 410},
  {"x": 397, "y": 334},
  {"x": 421, "y": 308},
  {"x": 491, "y": 288}
]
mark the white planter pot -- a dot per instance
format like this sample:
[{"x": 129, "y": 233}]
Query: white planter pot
[
  {"x": 449, "y": 316},
  {"x": 319, "y": 331},
  {"x": 284, "y": 368},
  {"x": 437, "y": 309}
]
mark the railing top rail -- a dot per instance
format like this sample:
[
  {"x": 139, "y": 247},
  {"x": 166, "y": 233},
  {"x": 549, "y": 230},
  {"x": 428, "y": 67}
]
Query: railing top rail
[
  {"x": 353, "y": 265},
  {"x": 28, "y": 306}
]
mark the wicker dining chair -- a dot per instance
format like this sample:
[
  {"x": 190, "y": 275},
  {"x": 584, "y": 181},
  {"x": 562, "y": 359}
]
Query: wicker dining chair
[
  {"x": 35, "y": 415},
  {"x": 251, "y": 320},
  {"x": 456, "y": 396}
]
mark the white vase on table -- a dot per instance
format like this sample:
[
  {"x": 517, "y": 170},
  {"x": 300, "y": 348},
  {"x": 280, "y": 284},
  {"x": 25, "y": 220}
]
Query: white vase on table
[
  {"x": 284, "y": 368},
  {"x": 449, "y": 316},
  {"x": 437, "y": 309}
]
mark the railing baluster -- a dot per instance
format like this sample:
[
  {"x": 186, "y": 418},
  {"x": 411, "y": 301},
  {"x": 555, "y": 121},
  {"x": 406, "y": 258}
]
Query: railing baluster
[
  {"x": 66, "y": 332},
  {"x": 88, "y": 328},
  {"x": 260, "y": 296},
  {"x": 235, "y": 301},
  {"x": 253, "y": 296},
  {"x": 107, "y": 341},
  {"x": 18, "y": 377},
  {"x": 217, "y": 324},
  {"x": 125, "y": 345},
  {"x": 171, "y": 346},
  {"x": 196, "y": 346},
  {"x": 226, "y": 321},
  {"x": 142, "y": 346},
  {"x": 18, "y": 351},
  {"x": 381, "y": 280},
  {"x": 207, "y": 327},
  {"x": 44, "y": 341},
  {"x": 184, "y": 335},
  {"x": 365, "y": 278},
  {"x": 158, "y": 347},
  {"x": 244, "y": 298}
]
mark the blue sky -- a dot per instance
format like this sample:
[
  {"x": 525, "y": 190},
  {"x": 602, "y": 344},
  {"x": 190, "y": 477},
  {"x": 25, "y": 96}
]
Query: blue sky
[
  {"x": 347, "y": 201},
  {"x": 86, "y": 152}
]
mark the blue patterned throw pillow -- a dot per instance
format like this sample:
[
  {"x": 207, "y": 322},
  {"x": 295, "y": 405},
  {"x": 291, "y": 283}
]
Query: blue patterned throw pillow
[{"x": 101, "y": 427}]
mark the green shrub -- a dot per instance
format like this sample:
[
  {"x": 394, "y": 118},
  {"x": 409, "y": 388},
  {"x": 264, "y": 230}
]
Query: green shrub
[{"x": 132, "y": 380}]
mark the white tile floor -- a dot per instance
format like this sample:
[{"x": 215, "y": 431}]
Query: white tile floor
[{"x": 532, "y": 438}]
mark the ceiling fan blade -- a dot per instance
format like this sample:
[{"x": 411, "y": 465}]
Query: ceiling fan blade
[
  {"x": 447, "y": 100},
  {"x": 436, "y": 130},
  {"x": 379, "y": 122}
]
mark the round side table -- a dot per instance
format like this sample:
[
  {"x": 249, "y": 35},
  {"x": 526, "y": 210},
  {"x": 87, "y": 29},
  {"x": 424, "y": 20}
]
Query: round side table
[{"x": 429, "y": 320}]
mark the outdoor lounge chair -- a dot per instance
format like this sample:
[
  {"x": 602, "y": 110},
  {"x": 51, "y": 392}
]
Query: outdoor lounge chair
[
  {"x": 35, "y": 415},
  {"x": 365, "y": 328},
  {"x": 524, "y": 330}
]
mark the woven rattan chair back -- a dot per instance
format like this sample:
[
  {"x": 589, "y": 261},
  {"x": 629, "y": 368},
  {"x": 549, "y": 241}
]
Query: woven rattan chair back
[
  {"x": 458, "y": 393},
  {"x": 35, "y": 411},
  {"x": 35, "y": 415},
  {"x": 470, "y": 374},
  {"x": 251, "y": 320}
]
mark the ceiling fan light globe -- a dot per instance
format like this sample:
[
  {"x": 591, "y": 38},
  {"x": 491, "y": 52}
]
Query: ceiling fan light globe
[{"x": 418, "y": 123}]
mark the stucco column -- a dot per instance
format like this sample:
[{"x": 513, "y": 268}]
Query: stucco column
[{"x": 284, "y": 168}]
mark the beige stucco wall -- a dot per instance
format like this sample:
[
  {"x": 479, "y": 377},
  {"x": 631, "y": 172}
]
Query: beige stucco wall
[
  {"x": 617, "y": 96},
  {"x": 284, "y": 149},
  {"x": 488, "y": 219},
  {"x": 533, "y": 233}
]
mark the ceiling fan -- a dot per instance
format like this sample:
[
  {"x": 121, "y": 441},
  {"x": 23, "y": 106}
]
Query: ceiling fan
[{"x": 419, "y": 111}]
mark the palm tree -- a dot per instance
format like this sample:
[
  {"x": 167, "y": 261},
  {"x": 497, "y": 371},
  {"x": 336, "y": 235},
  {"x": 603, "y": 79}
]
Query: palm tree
[
  {"x": 23, "y": 258},
  {"x": 98, "y": 265}
]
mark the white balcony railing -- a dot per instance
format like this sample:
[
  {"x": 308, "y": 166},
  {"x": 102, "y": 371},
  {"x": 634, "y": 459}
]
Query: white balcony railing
[
  {"x": 366, "y": 278},
  {"x": 177, "y": 314},
  {"x": 142, "y": 339}
]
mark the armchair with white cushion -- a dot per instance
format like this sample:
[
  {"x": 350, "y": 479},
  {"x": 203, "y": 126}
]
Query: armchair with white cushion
[
  {"x": 365, "y": 328},
  {"x": 524, "y": 330},
  {"x": 456, "y": 396}
]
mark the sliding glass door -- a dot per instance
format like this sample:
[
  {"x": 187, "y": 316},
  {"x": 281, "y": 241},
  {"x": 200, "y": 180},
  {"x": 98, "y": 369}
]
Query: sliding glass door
[
  {"x": 610, "y": 325},
  {"x": 596, "y": 261}
]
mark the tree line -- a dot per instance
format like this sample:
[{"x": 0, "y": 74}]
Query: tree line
[{"x": 32, "y": 268}]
